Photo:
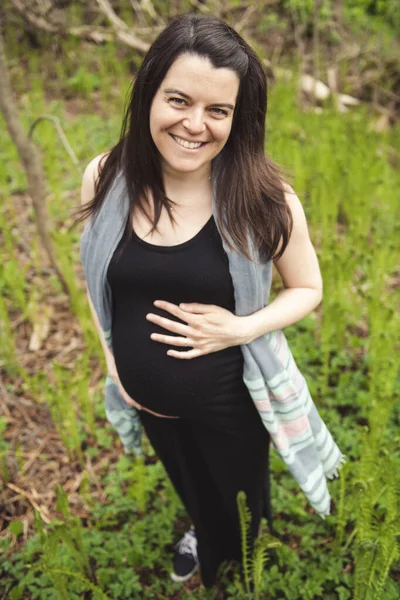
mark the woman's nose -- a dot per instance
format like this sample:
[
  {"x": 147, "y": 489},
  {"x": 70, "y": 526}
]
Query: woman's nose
[{"x": 194, "y": 122}]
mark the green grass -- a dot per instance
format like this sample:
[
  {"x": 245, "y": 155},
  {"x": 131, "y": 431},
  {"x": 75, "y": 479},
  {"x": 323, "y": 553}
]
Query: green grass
[{"x": 347, "y": 351}]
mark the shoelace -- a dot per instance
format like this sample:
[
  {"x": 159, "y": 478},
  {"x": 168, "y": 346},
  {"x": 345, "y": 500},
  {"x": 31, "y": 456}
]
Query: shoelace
[{"x": 188, "y": 545}]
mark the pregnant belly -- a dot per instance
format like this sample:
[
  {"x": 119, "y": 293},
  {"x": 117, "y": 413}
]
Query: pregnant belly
[{"x": 171, "y": 386}]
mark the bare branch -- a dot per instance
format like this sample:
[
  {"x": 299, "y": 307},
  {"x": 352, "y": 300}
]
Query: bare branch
[
  {"x": 111, "y": 15},
  {"x": 30, "y": 498},
  {"x": 61, "y": 135},
  {"x": 240, "y": 25},
  {"x": 34, "y": 18},
  {"x": 132, "y": 41},
  {"x": 97, "y": 35},
  {"x": 121, "y": 31},
  {"x": 202, "y": 7},
  {"x": 138, "y": 11},
  {"x": 153, "y": 29},
  {"x": 148, "y": 6}
]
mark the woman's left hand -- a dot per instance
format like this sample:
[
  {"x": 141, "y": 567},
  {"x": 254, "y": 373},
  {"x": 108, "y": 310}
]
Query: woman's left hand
[{"x": 209, "y": 328}]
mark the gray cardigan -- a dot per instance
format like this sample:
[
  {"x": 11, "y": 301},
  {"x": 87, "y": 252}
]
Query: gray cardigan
[{"x": 276, "y": 386}]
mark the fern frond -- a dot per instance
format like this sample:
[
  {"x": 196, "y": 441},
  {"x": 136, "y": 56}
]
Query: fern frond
[
  {"x": 341, "y": 520},
  {"x": 69, "y": 535},
  {"x": 376, "y": 546},
  {"x": 58, "y": 581},
  {"x": 88, "y": 583},
  {"x": 259, "y": 559},
  {"x": 393, "y": 555},
  {"x": 245, "y": 520}
]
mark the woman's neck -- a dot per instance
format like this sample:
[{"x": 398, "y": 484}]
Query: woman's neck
[{"x": 189, "y": 189}]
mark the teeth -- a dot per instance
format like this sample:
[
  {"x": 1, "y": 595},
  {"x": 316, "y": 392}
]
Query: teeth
[{"x": 185, "y": 144}]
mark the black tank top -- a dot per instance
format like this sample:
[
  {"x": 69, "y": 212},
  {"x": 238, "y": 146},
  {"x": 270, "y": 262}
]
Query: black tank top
[{"x": 194, "y": 271}]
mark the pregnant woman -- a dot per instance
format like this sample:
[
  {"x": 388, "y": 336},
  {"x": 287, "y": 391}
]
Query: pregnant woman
[{"x": 179, "y": 208}]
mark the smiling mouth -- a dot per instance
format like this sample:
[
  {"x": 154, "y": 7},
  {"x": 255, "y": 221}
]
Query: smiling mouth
[{"x": 187, "y": 145}]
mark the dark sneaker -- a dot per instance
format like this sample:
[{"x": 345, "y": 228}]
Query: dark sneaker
[{"x": 186, "y": 562}]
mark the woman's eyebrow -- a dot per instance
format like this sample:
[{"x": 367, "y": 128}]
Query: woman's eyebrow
[{"x": 219, "y": 104}]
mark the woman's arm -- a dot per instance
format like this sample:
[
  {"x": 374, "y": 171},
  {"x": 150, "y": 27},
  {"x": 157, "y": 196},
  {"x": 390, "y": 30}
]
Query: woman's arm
[
  {"x": 89, "y": 179},
  {"x": 111, "y": 368},
  {"x": 87, "y": 193},
  {"x": 299, "y": 269}
]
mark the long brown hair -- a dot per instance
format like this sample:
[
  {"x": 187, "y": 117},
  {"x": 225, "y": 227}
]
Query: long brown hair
[{"x": 253, "y": 198}]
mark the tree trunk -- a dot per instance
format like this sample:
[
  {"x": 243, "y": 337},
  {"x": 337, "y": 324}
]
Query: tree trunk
[{"x": 31, "y": 161}]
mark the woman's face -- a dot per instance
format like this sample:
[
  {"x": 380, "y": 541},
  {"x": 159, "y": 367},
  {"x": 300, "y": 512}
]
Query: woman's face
[{"x": 191, "y": 114}]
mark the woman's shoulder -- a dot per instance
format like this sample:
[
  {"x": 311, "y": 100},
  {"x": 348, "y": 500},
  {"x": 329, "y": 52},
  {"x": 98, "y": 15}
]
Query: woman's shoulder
[
  {"x": 90, "y": 176},
  {"x": 297, "y": 211},
  {"x": 295, "y": 205}
]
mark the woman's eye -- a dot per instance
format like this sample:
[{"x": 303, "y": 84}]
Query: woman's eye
[
  {"x": 217, "y": 111},
  {"x": 220, "y": 112},
  {"x": 178, "y": 100}
]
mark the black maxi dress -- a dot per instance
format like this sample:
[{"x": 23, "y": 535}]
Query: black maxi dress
[{"x": 219, "y": 444}]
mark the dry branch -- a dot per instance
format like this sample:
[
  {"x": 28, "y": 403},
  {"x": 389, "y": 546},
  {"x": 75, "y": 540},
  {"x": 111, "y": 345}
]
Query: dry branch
[
  {"x": 37, "y": 20},
  {"x": 148, "y": 6},
  {"x": 29, "y": 497},
  {"x": 120, "y": 29},
  {"x": 60, "y": 133},
  {"x": 240, "y": 25}
]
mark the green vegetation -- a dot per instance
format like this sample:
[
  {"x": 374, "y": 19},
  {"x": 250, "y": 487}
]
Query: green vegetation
[{"x": 118, "y": 544}]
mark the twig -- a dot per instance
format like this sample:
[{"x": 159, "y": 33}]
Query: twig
[
  {"x": 34, "y": 18},
  {"x": 138, "y": 12},
  {"x": 148, "y": 6},
  {"x": 61, "y": 135},
  {"x": 3, "y": 391},
  {"x": 35, "y": 505},
  {"x": 122, "y": 31},
  {"x": 11, "y": 500},
  {"x": 149, "y": 30},
  {"x": 35, "y": 454},
  {"x": 17, "y": 403},
  {"x": 245, "y": 18},
  {"x": 73, "y": 345},
  {"x": 95, "y": 479},
  {"x": 389, "y": 93},
  {"x": 202, "y": 7},
  {"x": 71, "y": 489},
  {"x": 97, "y": 35}
]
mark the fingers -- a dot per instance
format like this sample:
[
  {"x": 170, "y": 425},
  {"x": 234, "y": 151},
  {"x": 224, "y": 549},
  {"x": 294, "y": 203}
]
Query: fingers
[
  {"x": 188, "y": 355},
  {"x": 197, "y": 308},
  {"x": 173, "y": 309},
  {"x": 186, "y": 333},
  {"x": 172, "y": 340},
  {"x": 173, "y": 326}
]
